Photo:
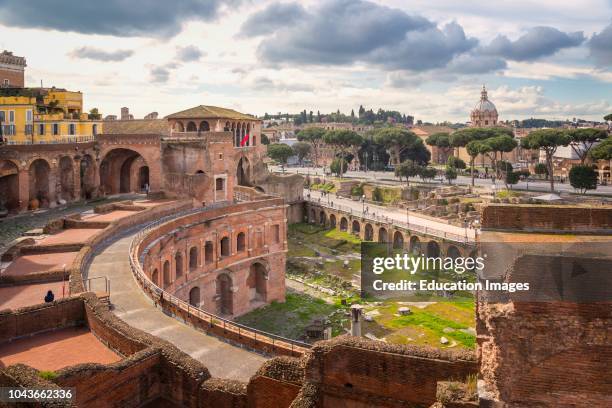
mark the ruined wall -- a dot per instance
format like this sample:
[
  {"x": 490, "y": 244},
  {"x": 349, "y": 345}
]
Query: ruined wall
[{"x": 527, "y": 217}]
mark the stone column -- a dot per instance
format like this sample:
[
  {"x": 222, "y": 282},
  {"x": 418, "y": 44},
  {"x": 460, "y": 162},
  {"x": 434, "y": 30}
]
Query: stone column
[
  {"x": 356, "y": 316},
  {"x": 24, "y": 189},
  {"x": 76, "y": 179}
]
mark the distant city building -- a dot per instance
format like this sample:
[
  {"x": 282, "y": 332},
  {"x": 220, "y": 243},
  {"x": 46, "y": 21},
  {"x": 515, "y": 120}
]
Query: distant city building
[
  {"x": 12, "y": 69},
  {"x": 110, "y": 117},
  {"x": 484, "y": 113},
  {"x": 125, "y": 114},
  {"x": 152, "y": 115}
]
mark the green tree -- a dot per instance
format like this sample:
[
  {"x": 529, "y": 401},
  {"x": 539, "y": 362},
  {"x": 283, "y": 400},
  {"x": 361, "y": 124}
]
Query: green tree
[
  {"x": 608, "y": 117},
  {"x": 396, "y": 141},
  {"x": 455, "y": 162},
  {"x": 442, "y": 142},
  {"x": 314, "y": 136},
  {"x": 474, "y": 148},
  {"x": 583, "y": 178},
  {"x": 264, "y": 139},
  {"x": 450, "y": 173},
  {"x": 427, "y": 173},
  {"x": 338, "y": 167},
  {"x": 301, "y": 150},
  {"x": 377, "y": 195},
  {"x": 407, "y": 169},
  {"x": 547, "y": 140},
  {"x": 602, "y": 151},
  {"x": 280, "y": 152},
  {"x": 511, "y": 178},
  {"x": 582, "y": 140},
  {"x": 499, "y": 144},
  {"x": 94, "y": 114},
  {"x": 343, "y": 141}
]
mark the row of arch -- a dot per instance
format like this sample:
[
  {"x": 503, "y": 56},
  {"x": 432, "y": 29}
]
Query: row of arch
[
  {"x": 415, "y": 245},
  {"x": 256, "y": 283},
  {"x": 239, "y": 130}
]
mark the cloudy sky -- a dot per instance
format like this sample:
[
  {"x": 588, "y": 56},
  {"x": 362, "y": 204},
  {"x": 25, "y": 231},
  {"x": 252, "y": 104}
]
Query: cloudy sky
[{"x": 544, "y": 58}]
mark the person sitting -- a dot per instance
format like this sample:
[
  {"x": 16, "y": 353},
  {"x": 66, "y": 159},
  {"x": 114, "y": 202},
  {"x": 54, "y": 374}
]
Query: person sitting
[{"x": 50, "y": 297}]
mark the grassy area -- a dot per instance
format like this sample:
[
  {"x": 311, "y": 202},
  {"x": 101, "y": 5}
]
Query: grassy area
[
  {"x": 329, "y": 187},
  {"x": 507, "y": 194},
  {"x": 291, "y": 318}
]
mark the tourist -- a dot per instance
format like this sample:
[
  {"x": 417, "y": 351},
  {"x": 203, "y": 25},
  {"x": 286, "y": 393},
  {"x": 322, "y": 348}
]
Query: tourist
[{"x": 50, "y": 297}]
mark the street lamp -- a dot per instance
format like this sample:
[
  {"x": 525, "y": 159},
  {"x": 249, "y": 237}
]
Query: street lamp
[{"x": 363, "y": 197}]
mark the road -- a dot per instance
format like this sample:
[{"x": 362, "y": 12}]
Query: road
[
  {"x": 392, "y": 213},
  {"x": 131, "y": 305},
  {"x": 387, "y": 177}
]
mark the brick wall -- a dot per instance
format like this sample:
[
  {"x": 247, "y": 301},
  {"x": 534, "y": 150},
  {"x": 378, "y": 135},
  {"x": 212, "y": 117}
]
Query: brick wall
[{"x": 527, "y": 217}]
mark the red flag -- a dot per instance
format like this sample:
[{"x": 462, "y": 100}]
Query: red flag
[{"x": 244, "y": 140}]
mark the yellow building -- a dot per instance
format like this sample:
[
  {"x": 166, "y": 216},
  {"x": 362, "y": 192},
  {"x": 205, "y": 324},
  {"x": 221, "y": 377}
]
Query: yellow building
[{"x": 45, "y": 115}]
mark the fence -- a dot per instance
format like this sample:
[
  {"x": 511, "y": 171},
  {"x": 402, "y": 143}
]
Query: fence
[
  {"x": 278, "y": 344},
  {"x": 464, "y": 239}
]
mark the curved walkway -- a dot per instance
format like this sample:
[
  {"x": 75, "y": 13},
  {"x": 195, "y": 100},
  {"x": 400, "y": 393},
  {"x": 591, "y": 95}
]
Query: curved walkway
[{"x": 132, "y": 306}]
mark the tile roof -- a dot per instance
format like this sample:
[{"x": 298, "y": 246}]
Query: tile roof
[
  {"x": 212, "y": 112},
  {"x": 136, "y": 126}
]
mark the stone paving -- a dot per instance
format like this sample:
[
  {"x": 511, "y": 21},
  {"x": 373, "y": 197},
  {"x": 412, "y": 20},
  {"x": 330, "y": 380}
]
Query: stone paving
[
  {"x": 131, "y": 305},
  {"x": 13, "y": 297}
]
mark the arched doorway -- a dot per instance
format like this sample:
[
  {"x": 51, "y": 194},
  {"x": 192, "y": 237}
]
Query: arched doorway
[
  {"x": 118, "y": 171},
  {"x": 87, "y": 172},
  {"x": 343, "y": 224},
  {"x": 398, "y": 240},
  {"x": 166, "y": 272},
  {"x": 415, "y": 245},
  {"x": 224, "y": 294},
  {"x": 433, "y": 249},
  {"x": 240, "y": 242},
  {"x": 66, "y": 170},
  {"x": 225, "y": 246},
  {"x": 453, "y": 252},
  {"x": 356, "y": 227},
  {"x": 322, "y": 218},
  {"x": 193, "y": 259},
  {"x": 194, "y": 296},
  {"x": 39, "y": 182},
  {"x": 368, "y": 233},
  {"x": 9, "y": 186},
  {"x": 204, "y": 126},
  {"x": 332, "y": 220},
  {"x": 257, "y": 282},
  {"x": 143, "y": 178},
  {"x": 313, "y": 216},
  {"x": 155, "y": 277},
  {"x": 382, "y": 235},
  {"x": 178, "y": 262},
  {"x": 191, "y": 127}
]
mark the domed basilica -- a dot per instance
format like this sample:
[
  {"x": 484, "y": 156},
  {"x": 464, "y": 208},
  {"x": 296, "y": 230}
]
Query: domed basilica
[{"x": 484, "y": 113}]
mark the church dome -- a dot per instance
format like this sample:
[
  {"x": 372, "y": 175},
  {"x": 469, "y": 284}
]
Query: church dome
[{"x": 485, "y": 112}]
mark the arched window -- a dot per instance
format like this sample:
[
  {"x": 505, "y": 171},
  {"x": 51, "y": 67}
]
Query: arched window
[
  {"x": 193, "y": 258},
  {"x": 208, "y": 252},
  {"x": 178, "y": 259},
  {"x": 240, "y": 242},
  {"x": 166, "y": 273},
  {"x": 225, "y": 246}
]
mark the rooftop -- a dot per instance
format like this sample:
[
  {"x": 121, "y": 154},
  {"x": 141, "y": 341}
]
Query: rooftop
[
  {"x": 7, "y": 57},
  {"x": 210, "y": 112},
  {"x": 135, "y": 126}
]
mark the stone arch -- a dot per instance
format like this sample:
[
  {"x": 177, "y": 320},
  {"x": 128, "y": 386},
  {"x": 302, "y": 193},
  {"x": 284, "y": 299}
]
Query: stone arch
[
  {"x": 322, "y": 220},
  {"x": 453, "y": 252},
  {"x": 356, "y": 227},
  {"x": 179, "y": 127},
  {"x": 204, "y": 126},
  {"x": 240, "y": 242},
  {"x": 398, "y": 240},
  {"x": 225, "y": 301},
  {"x": 9, "y": 186},
  {"x": 66, "y": 176},
  {"x": 178, "y": 264},
  {"x": 332, "y": 221},
  {"x": 227, "y": 127},
  {"x": 433, "y": 249},
  {"x": 194, "y": 296},
  {"x": 225, "y": 246},
  {"x": 117, "y": 171},
  {"x": 415, "y": 245},
  {"x": 257, "y": 282},
  {"x": 193, "y": 259},
  {"x": 191, "y": 126},
  {"x": 382, "y": 235},
  {"x": 40, "y": 172},
  {"x": 368, "y": 232},
  {"x": 88, "y": 174},
  {"x": 343, "y": 224},
  {"x": 243, "y": 172},
  {"x": 155, "y": 277},
  {"x": 166, "y": 273}
]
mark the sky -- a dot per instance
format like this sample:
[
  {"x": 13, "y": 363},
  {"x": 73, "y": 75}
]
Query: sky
[{"x": 545, "y": 59}]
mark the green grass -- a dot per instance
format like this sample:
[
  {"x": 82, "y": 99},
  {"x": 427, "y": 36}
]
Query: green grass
[
  {"x": 290, "y": 319},
  {"x": 47, "y": 375}
]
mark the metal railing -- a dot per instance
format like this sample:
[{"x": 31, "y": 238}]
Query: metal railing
[
  {"x": 195, "y": 312},
  {"x": 434, "y": 232},
  {"x": 57, "y": 139}
]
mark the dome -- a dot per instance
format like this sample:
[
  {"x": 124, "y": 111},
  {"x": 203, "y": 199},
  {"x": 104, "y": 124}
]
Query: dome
[{"x": 484, "y": 104}]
